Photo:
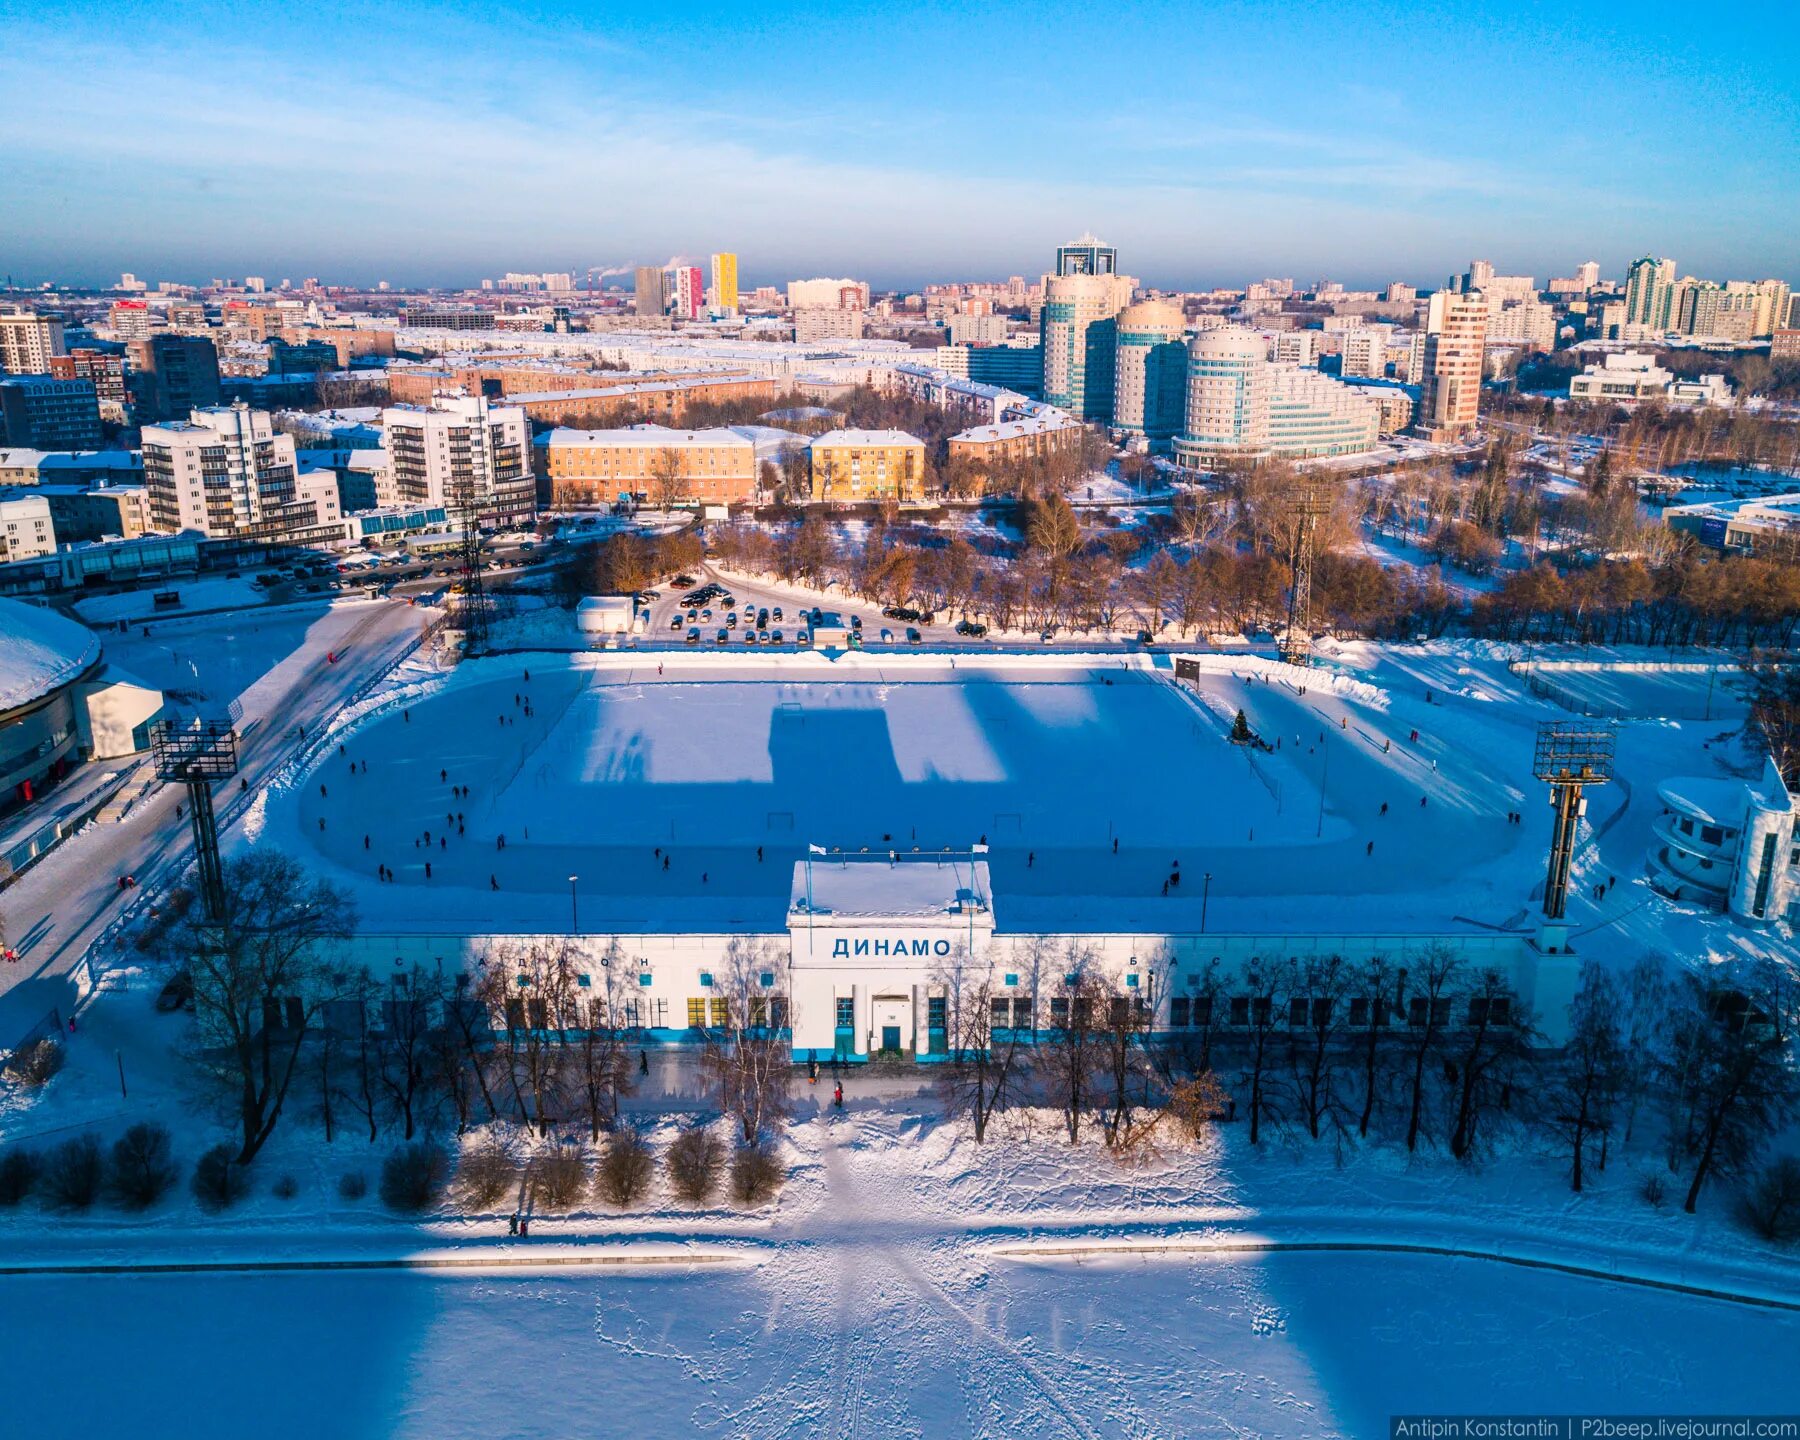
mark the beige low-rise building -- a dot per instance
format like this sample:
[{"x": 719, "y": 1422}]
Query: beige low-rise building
[
  {"x": 589, "y": 467},
  {"x": 853, "y": 465},
  {"x": 1036, "y": 438}
]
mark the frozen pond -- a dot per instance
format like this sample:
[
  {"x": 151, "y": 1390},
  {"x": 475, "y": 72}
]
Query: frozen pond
[{"x": 869, "y": 1339}]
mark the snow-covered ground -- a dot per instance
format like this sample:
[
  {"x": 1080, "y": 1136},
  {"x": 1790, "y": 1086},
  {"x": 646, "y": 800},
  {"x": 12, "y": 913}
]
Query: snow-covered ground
[
  {"x": 910, "y": 1282},
  {"x": 219, "y": 593}
]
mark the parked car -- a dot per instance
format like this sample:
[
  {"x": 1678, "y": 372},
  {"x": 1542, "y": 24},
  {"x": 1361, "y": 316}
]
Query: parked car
[
  {"x": 693, "y": 636},
  {"x": 683, "y": 582},
  {"x": 675, "y": 622},
  {"x": 775, "y": 614},
  {"x": 177, "y": 992},
  {"x": 724, "y": 637},
  {"x": 912, "y": 636},
  {"x": 775, "y": 637}
]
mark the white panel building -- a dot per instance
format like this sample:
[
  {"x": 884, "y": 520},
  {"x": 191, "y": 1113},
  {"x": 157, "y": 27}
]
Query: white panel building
[{"x": 461, "y": 446}]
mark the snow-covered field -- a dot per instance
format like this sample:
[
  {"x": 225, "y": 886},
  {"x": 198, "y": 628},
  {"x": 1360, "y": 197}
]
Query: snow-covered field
[{"x": 1380, "y": 807}]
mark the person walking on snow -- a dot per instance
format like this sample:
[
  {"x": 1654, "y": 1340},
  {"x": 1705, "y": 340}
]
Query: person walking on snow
[
  {"x": 837, "y": 1091},
  {"x": 643, "y": 1062}
]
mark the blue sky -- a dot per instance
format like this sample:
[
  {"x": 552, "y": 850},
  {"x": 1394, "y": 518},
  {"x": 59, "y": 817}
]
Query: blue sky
[{"x": 434, "y": 144}]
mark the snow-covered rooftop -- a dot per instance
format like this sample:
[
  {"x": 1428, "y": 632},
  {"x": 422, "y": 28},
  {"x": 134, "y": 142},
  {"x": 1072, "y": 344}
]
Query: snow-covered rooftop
[
  {"x": 637, "y": 436},
  {"x": 39, "y": 651},
  {"x": 865, "y": 437},
  {"x": 890, "y": 885}
]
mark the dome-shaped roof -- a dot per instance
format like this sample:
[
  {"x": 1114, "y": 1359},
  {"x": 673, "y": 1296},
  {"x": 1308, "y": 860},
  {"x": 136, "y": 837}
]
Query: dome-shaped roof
[{"x": 39, "y": 651}]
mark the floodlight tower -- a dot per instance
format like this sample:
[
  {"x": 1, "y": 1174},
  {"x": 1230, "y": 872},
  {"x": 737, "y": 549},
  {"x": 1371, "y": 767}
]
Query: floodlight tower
[
  {"x": 1306, "y": 508},
  {"x": 464, "y": 494},
  {"x": 1570, "y": 756},
  {"x": 199, "y": 754}
]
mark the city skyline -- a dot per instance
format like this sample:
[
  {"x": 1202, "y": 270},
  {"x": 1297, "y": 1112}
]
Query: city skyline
[{"x": 429, "y": 149}]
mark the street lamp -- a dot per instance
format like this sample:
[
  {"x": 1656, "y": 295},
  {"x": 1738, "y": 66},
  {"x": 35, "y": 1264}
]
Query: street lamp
[
  {"x": 1205, "y": 895},
  {"x": 574, "y": 914}
]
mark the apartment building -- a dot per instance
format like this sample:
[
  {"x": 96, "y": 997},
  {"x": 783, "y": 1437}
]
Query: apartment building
[
  {"x": 1450, "y": 367},
  {"x": 1035, "y": 438},
  {"x": 173, "y": 375},
  {"x": 28, "y": 342},
  {"x": 460, "y": 450},
  {"x": 595, "y": 467},
  {"x": 855, "y": 465},
  {"x": 225, "y": 472},
  {"x": 42, "y": 412},
  {"x": 26, "y": 529}
]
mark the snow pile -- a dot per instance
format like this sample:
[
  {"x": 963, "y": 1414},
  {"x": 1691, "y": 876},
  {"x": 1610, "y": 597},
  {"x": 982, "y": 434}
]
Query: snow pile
[{"x": 40, "y": 650}]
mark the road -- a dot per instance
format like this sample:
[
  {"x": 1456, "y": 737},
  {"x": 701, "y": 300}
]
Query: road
[{"x": 62, "y": 905}]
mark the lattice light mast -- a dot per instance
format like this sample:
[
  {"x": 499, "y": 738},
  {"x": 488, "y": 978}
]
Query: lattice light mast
[
  {"x": 473, "y": 608},
  {"x": 1570, "y": 756},
  {"x": 199, "y": 754},
  {"x": 1306, "y": 508}
]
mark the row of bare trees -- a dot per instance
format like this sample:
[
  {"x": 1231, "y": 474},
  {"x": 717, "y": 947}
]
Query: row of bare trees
[
  {"x": 534, "y": 1034},
  {"x": 1429, "y": 1049}
]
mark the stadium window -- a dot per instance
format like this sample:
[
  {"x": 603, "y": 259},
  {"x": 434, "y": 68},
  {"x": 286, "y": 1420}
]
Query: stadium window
[
  {"x": 936, "y": 1008},
  {"x": 846, "y": 1013},
  {"x": 696, "y": 1012},
  {"x": 1359, "y": 1014},
  {"x": 1297, "y": 1012},
  {"x": 537, "y": 1011},
  {"x": 1321, "y": 1014},
  {"x": 1416, "y": 1011},
  {"x": 1178, "y": 1012},
  {"x": 1118, "y": 1010},
  {"x": 1203, "y": 1009},
  {"x": 1024, "y": 1014},
  {"x": 721, "y": 1013},
  {"x": 1263, "y": 1009},
  {"x": 1240, "y": 1009},
  {"x": 515, "y": 1014},
  {"x": 1000, "y": 1013},
  {"x": 778, "y": 1012},
  {"x": 1059, "y": 1012},
  {"x": 1440, "y": 1011}
]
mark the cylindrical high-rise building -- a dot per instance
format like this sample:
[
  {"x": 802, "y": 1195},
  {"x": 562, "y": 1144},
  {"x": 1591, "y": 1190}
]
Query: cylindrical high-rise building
[
  {"x": 1227, "y": 397},
  {"x": 1078, "y": 330},
  {"x": 1150, "y": 371}
]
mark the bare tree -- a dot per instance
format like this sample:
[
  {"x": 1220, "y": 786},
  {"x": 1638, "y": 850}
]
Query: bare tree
[
  {"x": 749, "y": 1060},
  {"x": 409, "y": 1016},
  {"x": 984, "y": 1029},
  {"x": 1492, "y": 1054},
  {"x": 1316, "y": 1015},
  {"x": 1427, "y": 1004},
  {"x": 261, "y": 975},
  {"x": 531, "y": 987},
  {"x": 602, "y": 1056},
  {"x": 1375, "y": 980},
  {"x": 1073, "y": 1051},
  {"x": 1258, "y": 1014},
  {"x": 666, "y": 478},
  {"x": 1126, "y": 1022},
  {"x": 1586, "y": 1082},
  {"x": 465, "y": 1049},
  {"x": 1739, "y": 1086}
]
